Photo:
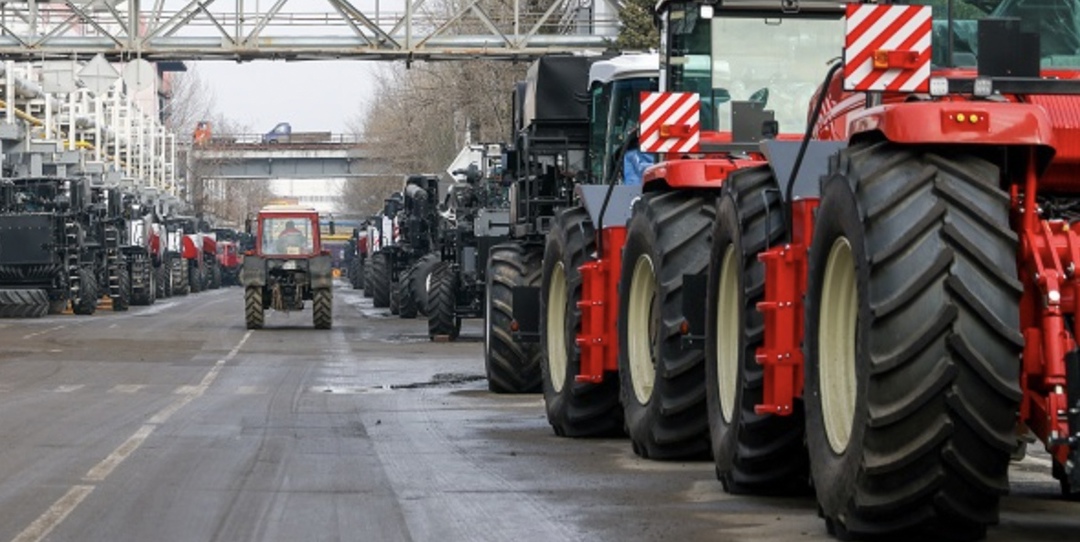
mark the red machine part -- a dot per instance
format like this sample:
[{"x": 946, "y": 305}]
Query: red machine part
[
  {"x": 228, "y": 254},
  {"x": 190, "y": 246},
  {"x": 209, "y": 244},
  {"x": 785, "y": 285},
  {"x": 153, "y": 240},
  {"x": 956, "y": 122},
  {"x": 598, "y": 340},
  {"x": 1048, "y": 259},
  {"x": 707, "y": 173}
]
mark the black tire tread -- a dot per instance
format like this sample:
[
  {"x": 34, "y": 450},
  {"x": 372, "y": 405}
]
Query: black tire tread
[
  {"x": 442, "y": 316},
  {"x": 322, "y": 305},
  {"x": 958, "y": 374},
  {"x": 179, "y": 270},
  {"x": 254, "y": 312},
  {"x": 580, "y": 409},
  {"x": 380, "y": 280},
  {"x": 511, "y": 366},
  {"x": 767, "y": 452},
  {"x": 122, "y": 301},
  {"x": 86, "y": 302},
  {"x": 23, "y": 303},
  {"x": 674, "y": 424}
]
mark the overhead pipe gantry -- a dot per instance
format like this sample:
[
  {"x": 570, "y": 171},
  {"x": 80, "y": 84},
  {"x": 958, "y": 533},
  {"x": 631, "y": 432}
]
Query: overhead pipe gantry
[{"x": 245, "y": 30}]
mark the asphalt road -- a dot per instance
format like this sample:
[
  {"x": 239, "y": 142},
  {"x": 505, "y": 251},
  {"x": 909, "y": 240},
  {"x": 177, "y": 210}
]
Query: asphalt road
[{"x": 174, "y": 423}]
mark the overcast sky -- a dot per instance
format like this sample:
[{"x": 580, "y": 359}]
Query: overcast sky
[{"x": 312, "y": 96}]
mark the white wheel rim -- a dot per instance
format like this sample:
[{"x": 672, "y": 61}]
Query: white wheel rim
[
  {"x": 836, "y": 345},
  {"x": 727, "y": 334},
  {"x": 639, "y": 328},
  {"x": 555, "y": 324}
]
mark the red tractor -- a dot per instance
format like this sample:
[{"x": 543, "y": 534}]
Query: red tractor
[
  {"x": 885, "y": 288},
  {"x": 287, "y": 267},
  {"x": 229, "y": 259}
]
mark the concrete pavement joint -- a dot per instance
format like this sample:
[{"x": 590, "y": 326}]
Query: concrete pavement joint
[{"x": 44, "y": 524}]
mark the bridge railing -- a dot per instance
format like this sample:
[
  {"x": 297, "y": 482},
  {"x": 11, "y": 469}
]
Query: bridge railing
[
  {"x": 297, "y": 138},
  {"x": 410, "y": 29}
]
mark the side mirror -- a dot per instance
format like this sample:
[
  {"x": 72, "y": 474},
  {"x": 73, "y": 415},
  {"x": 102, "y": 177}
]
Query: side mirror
[
  {"x": 247, "y": 226},
  {"x": 760, "y": 96}
]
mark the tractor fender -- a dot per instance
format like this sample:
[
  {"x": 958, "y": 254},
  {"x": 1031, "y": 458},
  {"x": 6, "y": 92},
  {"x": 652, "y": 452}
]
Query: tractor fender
[
  {"x": 321, "y": 271},
  {"x": 782, "y": 156},
  {"x": 694, "y": 173},
  {"x": 995, "y": 123},
  {"x": 253, "y": 271},
  {"x": 190, "y": 247},
  {"x": 619, "y": 206}
]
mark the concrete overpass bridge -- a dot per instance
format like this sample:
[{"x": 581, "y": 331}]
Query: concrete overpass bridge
[{"x": 242, "y": 157}]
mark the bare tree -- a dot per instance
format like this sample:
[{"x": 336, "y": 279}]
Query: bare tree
[
  {"x": 225, "y": 201},
  {"x": 421, "y": 117}
]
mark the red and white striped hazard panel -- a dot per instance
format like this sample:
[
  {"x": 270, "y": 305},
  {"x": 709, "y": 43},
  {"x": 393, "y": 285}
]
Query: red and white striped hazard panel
[
  {"x": 887, "y": 48},
  {"x": 670, "y": 122}
]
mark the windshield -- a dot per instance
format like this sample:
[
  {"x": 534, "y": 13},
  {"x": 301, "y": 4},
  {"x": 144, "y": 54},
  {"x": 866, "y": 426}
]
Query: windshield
[
  {"x": 1056, "y": 21},
  {"x": 616, "y": 108},
  {"x": 286, "y": 235},
  {"x": 778, "y": 62}
]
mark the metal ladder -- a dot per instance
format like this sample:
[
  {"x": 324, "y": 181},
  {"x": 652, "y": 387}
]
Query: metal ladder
[
  {"x": 71, "y": 244},
  {"x": 112, "y": 260}
]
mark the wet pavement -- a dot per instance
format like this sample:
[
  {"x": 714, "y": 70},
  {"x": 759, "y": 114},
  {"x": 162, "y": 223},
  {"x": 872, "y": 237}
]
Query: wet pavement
[{"x": 173, "y": 422}]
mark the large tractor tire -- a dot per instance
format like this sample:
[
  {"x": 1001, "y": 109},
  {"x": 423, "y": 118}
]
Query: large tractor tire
[
  {"x": 196, "y": 278},
  {"x": 380, "y": 280},
  {"x": 511, "y": 366},
  {"x": 442, "y": 303},
  {"x": 179, "y": 277},
  {"x": 24, "y": 303},
  {"x": 147, "y": 294},
  {"x": 87, "y": 300},
  {"x": 754, "y": 453},
  {"x": 215, "y": 276},
  {"x": 662, "y": 385},
  {"x": 254, "y": 312},
  {"x": 369, "y": 284},
  {"x": 412, "y": 288},
  {"x": 356, "y": 274},
  {"x": 122, "y": 301},
  {"x": 912, "y": 344},
  {"x": 164, "y": 282},
  {"x": 395, "y": 299},
  {"x": 322, "y": 306},
  {"x": 406, "y": 296},
  {"x": 574, "y": 409},
  {"x": 151, "y": 279}
]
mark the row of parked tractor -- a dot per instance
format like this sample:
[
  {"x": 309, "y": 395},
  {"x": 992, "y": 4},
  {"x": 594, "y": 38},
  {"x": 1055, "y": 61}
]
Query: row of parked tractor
[
  {"x": 857, "y": 281},
  {"x": 71, "y": 243}
]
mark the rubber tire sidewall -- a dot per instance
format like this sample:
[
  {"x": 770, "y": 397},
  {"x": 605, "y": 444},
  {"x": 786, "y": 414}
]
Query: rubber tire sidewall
[
  {"x": 641, "y": 239},
  {"x": 556, "y": 402},
  {"x": 835, "y": 475},
  {"x": 724, "y": 434}
]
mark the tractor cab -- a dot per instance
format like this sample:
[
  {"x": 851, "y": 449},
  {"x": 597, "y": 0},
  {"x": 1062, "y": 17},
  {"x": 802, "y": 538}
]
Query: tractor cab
[
  {"x": 288, "y": 233},
  {"x": 744, "y": 65},
  {"x": 288, "y": 267}
]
